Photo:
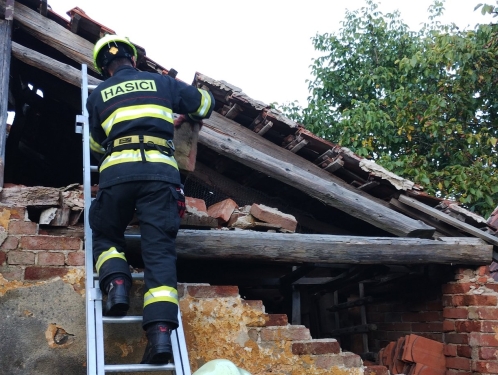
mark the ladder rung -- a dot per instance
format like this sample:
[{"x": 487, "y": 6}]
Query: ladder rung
[
  {"x": 122, "y": 319},
  {"x": 134, "y": 276},
  {"x": 94, "y": 168},
  {"x": 92, "y": 87},
  {"x": 139, "y": 367}
]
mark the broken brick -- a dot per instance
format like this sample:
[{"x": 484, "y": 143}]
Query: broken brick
[
  {"x": 222, "y": 210},
  {"x": 273, "y": 216}
]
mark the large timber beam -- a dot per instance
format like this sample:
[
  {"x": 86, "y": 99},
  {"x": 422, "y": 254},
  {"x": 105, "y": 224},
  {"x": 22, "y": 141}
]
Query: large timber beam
[
  {"x": 63, "y": 71},
  {"x": 315, "y": 248},
  {"x": 53, "y": 34},
  {"x": 238, "y": 143}
]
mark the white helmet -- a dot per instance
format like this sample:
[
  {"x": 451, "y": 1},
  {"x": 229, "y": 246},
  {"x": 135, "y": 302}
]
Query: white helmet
[{"x": 220, "y": 367}]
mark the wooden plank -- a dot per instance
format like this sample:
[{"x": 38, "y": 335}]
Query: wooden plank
[
  {"x": 5, "y": 46},
  {"x": 62, "y": 71},
  {"x": 467, "y": 228},
  {"x": 30, "y": 196},
  {"x": 240, "y": 144},
  {"x": 327, "y": 249},
  {"x": 53, "y": 34},
  {"x": 443, "y": 228}
]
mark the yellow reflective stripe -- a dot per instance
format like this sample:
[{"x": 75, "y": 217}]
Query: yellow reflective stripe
[
  {"x": 127, "y": 156},
  {"x": 108, "y": 254},
  {"x": 161, "y": 294},
  {"x": 135, "y": 139},
  {"x": 203, "y": 109},
  {"x": 95, "y": 146},
  {"x": 137, "y": 111}
]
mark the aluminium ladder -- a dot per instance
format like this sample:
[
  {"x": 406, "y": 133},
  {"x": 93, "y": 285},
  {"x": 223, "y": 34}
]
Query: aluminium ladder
[{"x": 94, "y": 318}]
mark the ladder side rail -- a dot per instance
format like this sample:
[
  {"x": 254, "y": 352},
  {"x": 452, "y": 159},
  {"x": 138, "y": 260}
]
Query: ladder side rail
[
  {"x": 90, "y": 296},
  {"x": 180, "y": 353}
]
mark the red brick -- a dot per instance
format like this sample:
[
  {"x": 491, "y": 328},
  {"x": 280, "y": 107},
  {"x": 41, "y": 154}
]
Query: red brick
[
  {"x": 351, "y": 360},
  {"x": 468, "y": 326},
  {"x": 486, "y": 367},
  {"x": 222, "y": 210},
  {"x": 456, "y": 372},
  {"x": 493, "y": 287},
  {"x": 376, "y": 370},
  {"x": 474, "y": 300},
  {"x": 276, "y": 320},
  {"x": 483, "y": 339},
  {"x": 483, "y": 270},
  {"x": 43, "y": 273},
  {"x": 50, "y": 259},
  {"x": 464, "y": 351},
  {"x": 195, "y": 205},
  {"x": 11, "y": 272},
  {"x": 15, "y": 212},
  {"x": 434, "y": 305},
  {"x": 427, "y": 327},
  {"x": 208, "y": 291},
  {"x": 455, "y": 313},
  {"x": 395, "y": 326},
  {"x": 328, "y": 361},
  {"x": 316, "y": 347},
  {"x": 23, "y": 227},
  {"x": 458, "y": 363},
  {"x": 273, "y": 216},
  {"x": 457, "y": 288},
  {"x": 489, "y": 326},
  {"x": 50, "y": 243},
  {"x": 288, "y": 333},
  {"x": 457, "y": 338},
  {"x": 10, "y": 243},
  {"x": 485, "y": 313},
  {"x": 448, "y": 325},
  {"x": 20, "y": 257},
  {"x": 450, "y": 350},
  {"x": 483, "y": 279},
  {"x": 488, "y": 353},
  {"x": 431, "y": 316},
  {"x": 254, "y": 304},
  {"x": 76, "y": 259}
]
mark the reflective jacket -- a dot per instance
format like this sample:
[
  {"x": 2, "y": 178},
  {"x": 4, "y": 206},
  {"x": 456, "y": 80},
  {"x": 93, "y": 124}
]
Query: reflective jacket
[{"x": 131, "y": 124}]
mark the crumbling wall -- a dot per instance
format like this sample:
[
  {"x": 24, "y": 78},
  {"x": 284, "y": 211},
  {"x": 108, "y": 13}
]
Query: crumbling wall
[{"x": 43, "y": 308}]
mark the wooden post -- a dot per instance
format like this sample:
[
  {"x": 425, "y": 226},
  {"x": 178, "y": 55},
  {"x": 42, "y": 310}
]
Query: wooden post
[{"x": 5, "y": 51}]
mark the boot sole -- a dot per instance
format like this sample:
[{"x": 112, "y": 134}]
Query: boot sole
[
  {"x": 160, "y": 357},
  {"x": 118, "y": 307}
]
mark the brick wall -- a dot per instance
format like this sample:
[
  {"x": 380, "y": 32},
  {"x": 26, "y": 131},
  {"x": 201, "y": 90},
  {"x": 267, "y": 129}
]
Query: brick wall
[
  {"x": 462, "y": 314},
  {"x": 471, "y": 322},
  {"x": 29, "y": 253}
]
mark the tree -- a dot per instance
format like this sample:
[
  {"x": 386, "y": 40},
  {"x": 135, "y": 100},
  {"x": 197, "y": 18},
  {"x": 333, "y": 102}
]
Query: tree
[{"x": 422, "y": 104}]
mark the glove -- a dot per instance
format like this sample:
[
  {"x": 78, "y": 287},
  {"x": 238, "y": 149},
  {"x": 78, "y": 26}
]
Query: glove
[
  {"x": 181, "y": 202},
  {"x": 185, "y": 118}
]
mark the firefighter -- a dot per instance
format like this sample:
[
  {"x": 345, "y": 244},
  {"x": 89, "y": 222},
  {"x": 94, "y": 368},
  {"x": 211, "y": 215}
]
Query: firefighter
[{"x": 131, "y": 129}]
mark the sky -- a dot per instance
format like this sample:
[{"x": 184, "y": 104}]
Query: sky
[{"x": 263, "y": 46}]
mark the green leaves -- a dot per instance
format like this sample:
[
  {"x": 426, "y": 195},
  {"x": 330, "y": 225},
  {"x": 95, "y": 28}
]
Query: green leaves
[{"x": 422, "y": 104}]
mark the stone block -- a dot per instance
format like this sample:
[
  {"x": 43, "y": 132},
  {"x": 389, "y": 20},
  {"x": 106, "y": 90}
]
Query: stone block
[
  {"x": 273, "y": 216},
  {"x": 3, "y": 258}
]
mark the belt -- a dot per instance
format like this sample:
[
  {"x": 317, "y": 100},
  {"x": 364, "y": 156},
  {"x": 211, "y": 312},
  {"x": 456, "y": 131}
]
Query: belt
[
  {"x": 147, "y": 139},
  {"x": 164, "y": 146}
]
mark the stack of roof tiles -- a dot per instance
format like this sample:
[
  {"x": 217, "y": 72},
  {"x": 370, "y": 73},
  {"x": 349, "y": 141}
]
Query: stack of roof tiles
[{"x": 413, "y": 355}]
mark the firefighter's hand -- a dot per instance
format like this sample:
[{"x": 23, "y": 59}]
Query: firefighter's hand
[{"x": 184, "y": 118}]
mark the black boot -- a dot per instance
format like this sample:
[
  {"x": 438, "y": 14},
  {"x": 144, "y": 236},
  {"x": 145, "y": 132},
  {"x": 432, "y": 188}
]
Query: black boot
[
  {"x": 158, "y": 350},
  {"x": 118, "y": 301}
]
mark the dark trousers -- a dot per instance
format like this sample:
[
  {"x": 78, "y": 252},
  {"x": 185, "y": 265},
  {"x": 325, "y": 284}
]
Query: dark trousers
[{"x": 156, "y": 208}]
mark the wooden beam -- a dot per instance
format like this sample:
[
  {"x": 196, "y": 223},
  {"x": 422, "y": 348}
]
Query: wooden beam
[
  {"x": 62, "y": 71},
  {"x": 298, "y": 248},
  {"x": 5, "y": 47},
  {"x": 467, "y": 228},
  {"x": 238, "y": 143},
  {"x": 53, "y": 34}
]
